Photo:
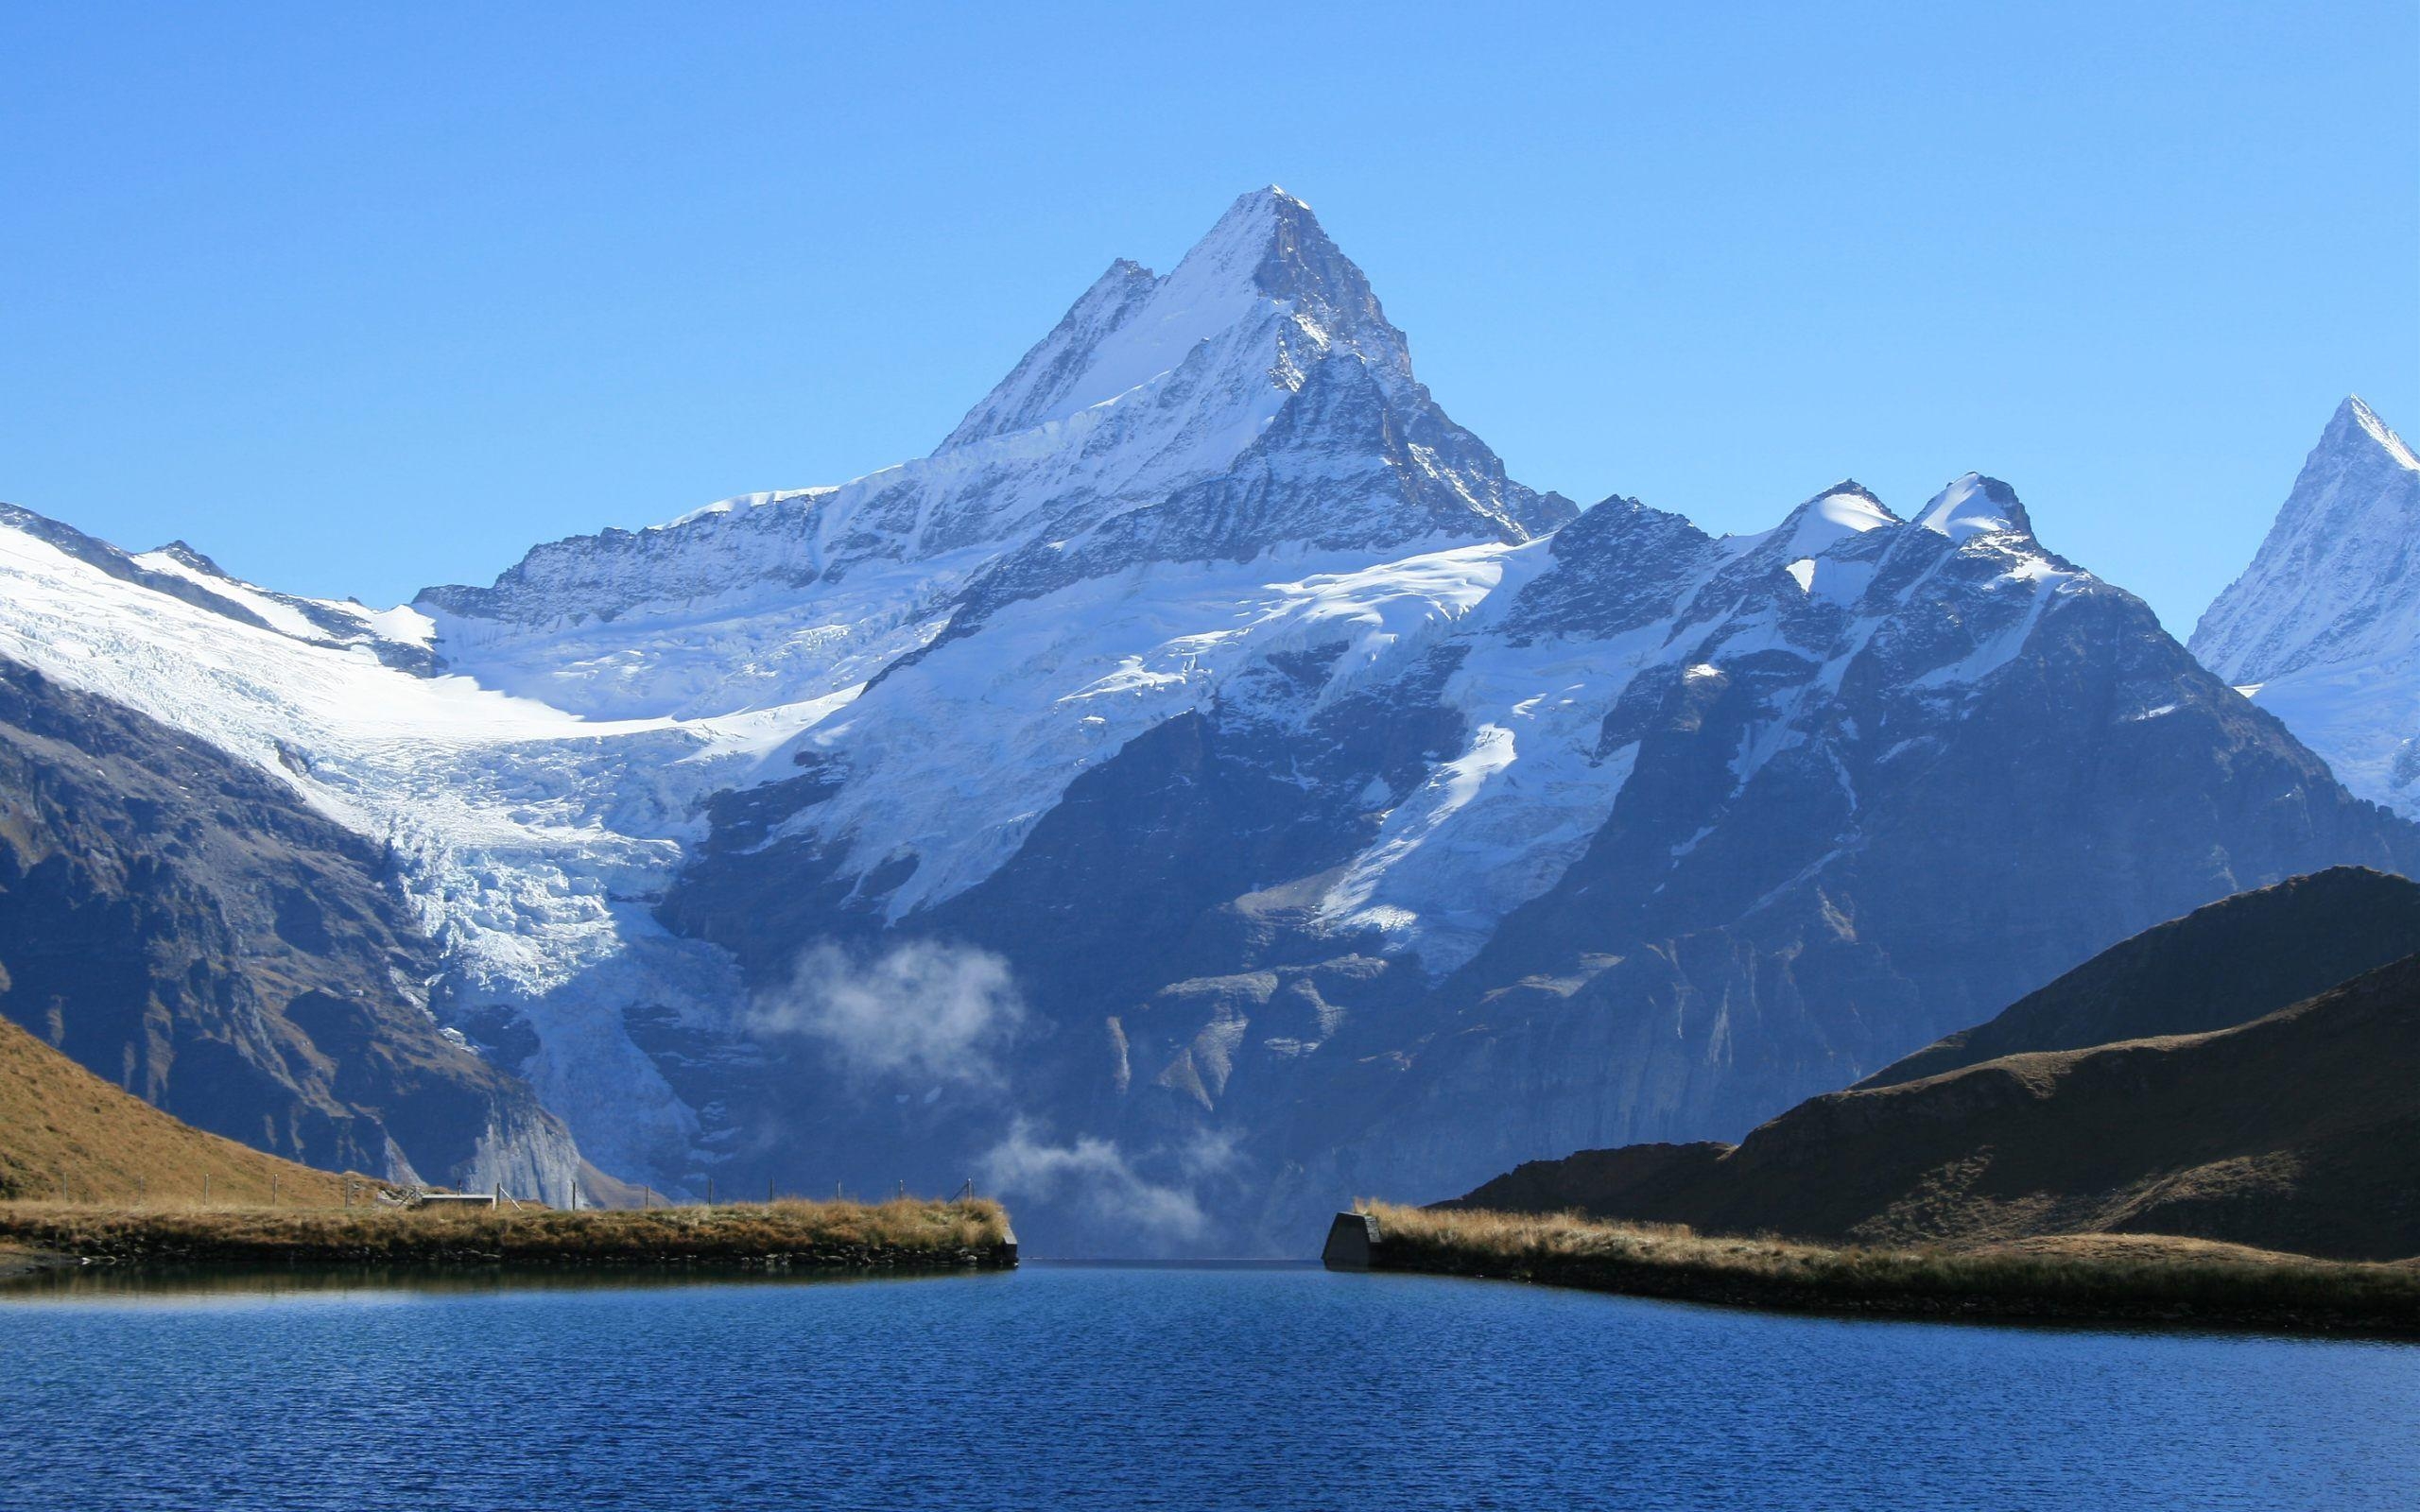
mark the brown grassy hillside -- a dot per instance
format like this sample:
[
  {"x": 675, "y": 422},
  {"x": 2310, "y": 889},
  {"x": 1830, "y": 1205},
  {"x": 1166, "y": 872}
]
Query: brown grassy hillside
[
  {"x": 2299, "y": 1131},
  {"x": 59, "y": 1123}
]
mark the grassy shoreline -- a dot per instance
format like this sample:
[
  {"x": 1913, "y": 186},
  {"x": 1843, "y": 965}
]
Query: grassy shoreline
[
  {"x": 828, "y": 1236},
  {"x": 2103, "y": 1278}
]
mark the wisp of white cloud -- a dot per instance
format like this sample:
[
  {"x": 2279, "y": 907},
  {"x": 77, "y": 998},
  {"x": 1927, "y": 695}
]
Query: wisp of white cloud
[
  {"x": 923, "y": 1009},
  {"x": 1095, "y": 1173}
]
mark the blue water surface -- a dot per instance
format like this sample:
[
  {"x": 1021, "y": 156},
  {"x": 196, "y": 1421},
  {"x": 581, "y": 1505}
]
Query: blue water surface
[{"x": 1068, "y": 1386}]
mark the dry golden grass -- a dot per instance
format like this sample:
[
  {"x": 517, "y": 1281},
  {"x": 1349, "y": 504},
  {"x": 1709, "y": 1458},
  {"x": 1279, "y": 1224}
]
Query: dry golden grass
[
  {"x": 67, "y": 1133},
  {"x": 2146, "y": 1277},
  {"x": 91, "y": 1171},
  {"x": 839, "y": 1233},
  {"x": 1512, "y": 1235}
]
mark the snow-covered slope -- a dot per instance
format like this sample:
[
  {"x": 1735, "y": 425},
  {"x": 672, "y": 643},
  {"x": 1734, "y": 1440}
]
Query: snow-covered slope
[
  {"x": 1261, "y": 364},
  {"x": 2324, "y": 628},
  {"x": 1360, "y": 875},
  {"x": 940, "y": 775},
  {"x": 1207, "y": 783},
  {"x": 529, "y": 840},
  {"x": 538, "y": 798}
]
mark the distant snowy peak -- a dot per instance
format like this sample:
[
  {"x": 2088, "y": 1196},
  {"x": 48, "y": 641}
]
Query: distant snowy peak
[
  {"x": 2323, "y": 629},
  {"x": 397, "y": 637},
  {"x": 1839, "y": 513},
  {"x": 1971, "y": 506},
  {"x": 2338, "y": 577},
  {"x": 1621, "y": 564},
  {"x": 2355, "y": 414},
  {"x": 1976, "y": 505}
]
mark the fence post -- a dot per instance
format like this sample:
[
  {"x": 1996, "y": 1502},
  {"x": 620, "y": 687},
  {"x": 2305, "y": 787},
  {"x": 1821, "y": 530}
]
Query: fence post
[{"x": 205, "y": 1188}]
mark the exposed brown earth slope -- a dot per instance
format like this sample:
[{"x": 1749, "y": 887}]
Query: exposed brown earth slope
[
  {"x": 2217, "y": 966},
  {"x": 2299, "y": 1131},
  {"x": 64, "y": 1129}
]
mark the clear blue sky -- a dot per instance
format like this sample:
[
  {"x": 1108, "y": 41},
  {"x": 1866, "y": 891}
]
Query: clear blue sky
[{"x": 359, "y": 298}]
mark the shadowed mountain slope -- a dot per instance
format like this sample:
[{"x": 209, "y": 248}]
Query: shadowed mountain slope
[
  {"x": 2217, "y": 966},
  {"x": 2299, "y": 1131}
]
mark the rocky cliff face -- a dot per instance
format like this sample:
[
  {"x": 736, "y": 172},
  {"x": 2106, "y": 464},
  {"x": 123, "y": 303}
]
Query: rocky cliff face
[{"x": 1208, "y": 788}]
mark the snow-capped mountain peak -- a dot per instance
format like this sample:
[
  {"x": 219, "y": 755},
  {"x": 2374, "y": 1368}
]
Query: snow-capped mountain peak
[
  {"x": 1838, "y": 512},
  {"x": 1976, "y": 505},
  {"x": 2355, "y": 414},
  {"x": 2323, "y": 629},
  {"x": 1266, "y": 260},
  {"x": 2337, "y": 578},
  {"x": 1252, "y": 399}
]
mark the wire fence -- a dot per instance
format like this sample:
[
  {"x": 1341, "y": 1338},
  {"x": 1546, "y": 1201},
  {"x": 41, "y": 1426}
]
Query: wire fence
[{"x": 320, "y": 1191}]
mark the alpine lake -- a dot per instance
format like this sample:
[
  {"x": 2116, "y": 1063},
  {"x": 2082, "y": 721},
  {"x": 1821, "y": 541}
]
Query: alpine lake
[{"x": 1146, "y": 1385}]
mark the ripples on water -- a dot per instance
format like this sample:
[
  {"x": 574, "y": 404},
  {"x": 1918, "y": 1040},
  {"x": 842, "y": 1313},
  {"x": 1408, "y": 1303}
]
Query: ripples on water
[{"x": 1146, "y": 1388}]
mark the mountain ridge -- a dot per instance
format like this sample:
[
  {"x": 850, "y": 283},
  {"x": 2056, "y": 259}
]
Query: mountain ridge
[
  {"x": 2289, "y": 1132},
  {"x": 2220, "y": 966},
  {"x": 1229, "y": 792},
  {"x": 2323, "y": 627}
]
